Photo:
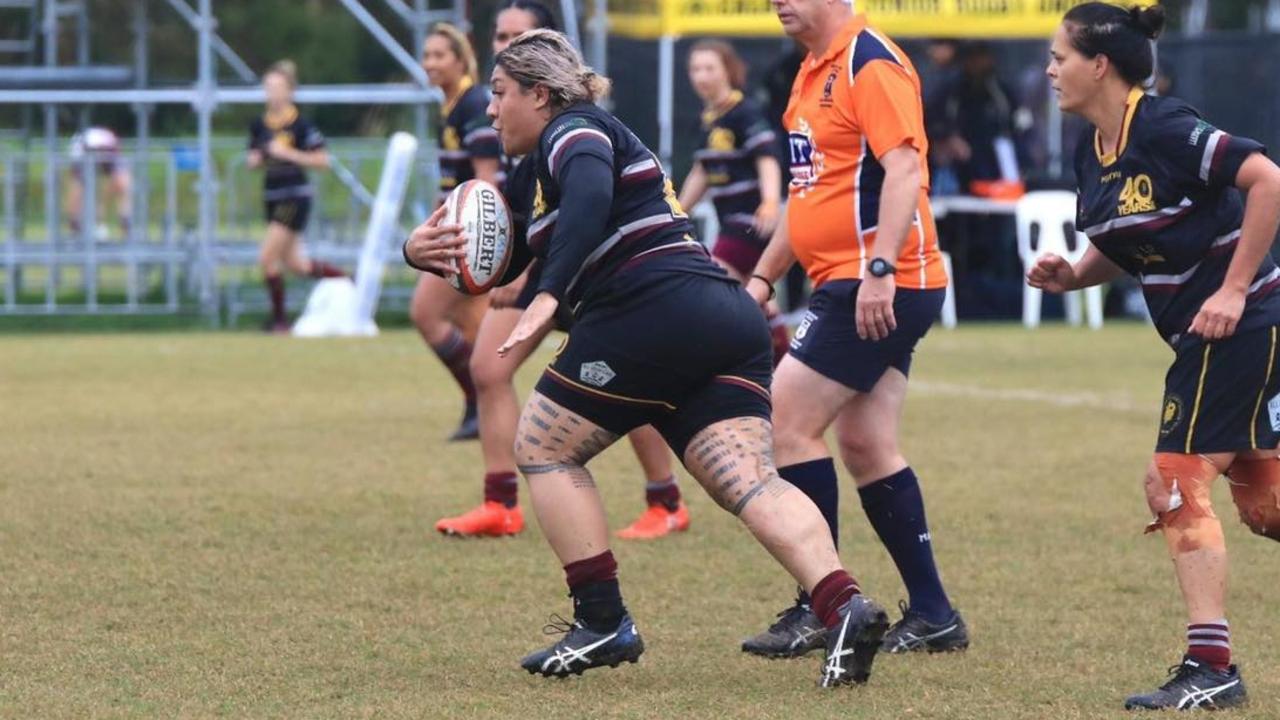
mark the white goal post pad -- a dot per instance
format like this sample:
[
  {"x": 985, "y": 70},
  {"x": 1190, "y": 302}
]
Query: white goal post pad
[{"x": 339, "y": 307}]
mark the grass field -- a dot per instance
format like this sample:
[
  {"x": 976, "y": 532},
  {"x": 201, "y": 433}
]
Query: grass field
[{"x": 198, "y": 525}]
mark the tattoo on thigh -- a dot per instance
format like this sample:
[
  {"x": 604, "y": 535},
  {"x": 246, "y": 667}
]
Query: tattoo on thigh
[
  {"x": 545, "y": 407},
  {"x": 746, "y": 498},
  {"x": 539, "y": 422},
  {"x": 533, "y": 441},
  {"x": 545, "y": 468}
]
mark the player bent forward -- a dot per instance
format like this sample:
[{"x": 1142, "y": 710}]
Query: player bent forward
[{"x": 661, "y": 335}]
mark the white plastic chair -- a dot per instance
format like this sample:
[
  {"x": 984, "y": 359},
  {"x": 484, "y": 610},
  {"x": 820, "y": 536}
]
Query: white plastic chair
[{"x": 1052, "y": 211}]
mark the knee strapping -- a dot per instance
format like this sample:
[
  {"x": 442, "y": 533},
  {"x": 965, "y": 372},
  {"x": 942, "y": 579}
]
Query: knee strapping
[
  {"x": 1178, "y": 495},
  {"x": 1255, "y": 488}
]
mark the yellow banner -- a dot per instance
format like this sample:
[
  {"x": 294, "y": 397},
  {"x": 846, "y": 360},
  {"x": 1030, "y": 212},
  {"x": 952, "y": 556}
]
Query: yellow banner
[{"x": 648, "y": 19}]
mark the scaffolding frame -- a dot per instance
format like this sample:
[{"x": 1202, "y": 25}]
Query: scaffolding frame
[{"x": 204, "y": 95}]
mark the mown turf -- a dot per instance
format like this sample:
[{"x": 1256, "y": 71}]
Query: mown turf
[{"x": 197, "y": 525}]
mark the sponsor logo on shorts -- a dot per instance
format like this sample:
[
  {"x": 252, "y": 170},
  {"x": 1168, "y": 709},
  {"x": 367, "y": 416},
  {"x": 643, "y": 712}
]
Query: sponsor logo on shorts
[
  {"x": 1171, "y": 415},
  {"x": 1273, "y": 412},
  {"x": 798, "y": 339},
  {"x": 596, "y": 373}
]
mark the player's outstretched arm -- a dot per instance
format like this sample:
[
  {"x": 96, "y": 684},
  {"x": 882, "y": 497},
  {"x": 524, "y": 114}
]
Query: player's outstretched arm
[{"x": 693, "y": 187}]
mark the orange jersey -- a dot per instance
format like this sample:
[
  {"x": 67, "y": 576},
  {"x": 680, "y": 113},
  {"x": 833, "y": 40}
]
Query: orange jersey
[{"x": 848, "y": 108}]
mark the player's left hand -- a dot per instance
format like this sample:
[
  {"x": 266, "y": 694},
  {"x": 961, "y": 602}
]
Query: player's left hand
[
  {"x": 873, "y": 311},
  {"x": 540, "y": 314},
  {"x": 766, "y": 219},
  {"x": 1219, "y": 315}
]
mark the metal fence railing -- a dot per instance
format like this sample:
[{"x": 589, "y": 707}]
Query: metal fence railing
[{"x": 146, "y": 256}]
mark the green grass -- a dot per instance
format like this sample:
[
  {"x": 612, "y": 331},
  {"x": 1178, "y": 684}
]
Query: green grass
[{"x": 199, "y": 525}]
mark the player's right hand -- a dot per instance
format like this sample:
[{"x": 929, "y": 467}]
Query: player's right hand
[
  {"x": 1052, "y": 273},
  {"x": 254, "y": 159},
  {"x": 433, "y": 247}
]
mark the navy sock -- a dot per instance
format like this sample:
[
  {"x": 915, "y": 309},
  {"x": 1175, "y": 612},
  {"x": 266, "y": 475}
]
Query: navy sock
[
  {"x": 817, "y": 480},
  {"x": 896, "y": 511}
]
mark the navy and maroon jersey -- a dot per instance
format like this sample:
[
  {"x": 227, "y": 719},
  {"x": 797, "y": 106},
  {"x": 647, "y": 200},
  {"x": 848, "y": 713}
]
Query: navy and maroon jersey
[
  {"x": 731, "y": 142},
  {"x": 284, "y": 180},
  {"x": 1164, "y": 207},
  {"x": 605, "y": 221},
  {"x": 465, "y": 133}
]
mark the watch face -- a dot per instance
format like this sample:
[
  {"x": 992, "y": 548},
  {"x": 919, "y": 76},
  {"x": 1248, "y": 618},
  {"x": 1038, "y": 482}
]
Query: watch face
[{"x": 880, "y": 267}]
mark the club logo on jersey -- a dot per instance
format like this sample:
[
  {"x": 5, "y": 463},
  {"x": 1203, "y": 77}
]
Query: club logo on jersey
[
  {"x": 720, "y": 140},
  {"x": 1171, "y": 415},
  {"x": 1138, "y": 196},
  {"x": 596, "y": 373},
  {"x": 827, "y": 88},
  {"x": 1147, "y": 255},
  {"x": 539, "y": 204},
  {"x": 806, "y": 159}
]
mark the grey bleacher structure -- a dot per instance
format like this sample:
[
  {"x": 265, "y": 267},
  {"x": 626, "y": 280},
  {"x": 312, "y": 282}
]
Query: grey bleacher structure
[{"x": 191, "y": 260}]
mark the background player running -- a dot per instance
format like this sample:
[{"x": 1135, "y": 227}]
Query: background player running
[
  {"x": 858, "y": 220},
  {"x": 735, "y": 167},
  {"x": 499, "y": 514},
  {"x": 661, "y": 336},
  {"x": 285, "y": 145},
  {"x": 469, "y": 148},
  {"x": 1158, "y": 198}
]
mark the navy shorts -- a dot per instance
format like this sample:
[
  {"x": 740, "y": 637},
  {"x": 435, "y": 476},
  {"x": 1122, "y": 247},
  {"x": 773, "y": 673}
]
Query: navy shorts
[
  {"x": 827, "y": 337},
  {"x": 685, "y": 353},
  {"x": 1222, "y": 396},
  {"x": 292, "y": 213}
]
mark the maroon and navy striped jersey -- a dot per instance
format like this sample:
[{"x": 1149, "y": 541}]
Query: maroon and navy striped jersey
[
  {"x": 604, "y": 213},
  {"x": 1163, "y": 206},
  {"x": 465, "y": 132}
]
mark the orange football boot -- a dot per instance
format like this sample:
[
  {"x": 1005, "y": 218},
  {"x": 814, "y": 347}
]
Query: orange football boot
[
  {"x": 492, "y": 519},
  {"x": 656, "y": 522}
]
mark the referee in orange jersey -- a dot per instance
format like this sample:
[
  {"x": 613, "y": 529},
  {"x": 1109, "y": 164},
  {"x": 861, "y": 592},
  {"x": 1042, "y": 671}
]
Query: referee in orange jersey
[{"x": 858, "y": 220}]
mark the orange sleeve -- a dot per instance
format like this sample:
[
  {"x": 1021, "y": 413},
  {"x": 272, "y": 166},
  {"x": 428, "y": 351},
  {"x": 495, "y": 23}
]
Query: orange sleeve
[{"x": 887, "y": 107}]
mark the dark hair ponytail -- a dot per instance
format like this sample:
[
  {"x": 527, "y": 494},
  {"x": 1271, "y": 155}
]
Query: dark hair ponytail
[
  {"x": 542, "y": 16},
  {"x": 1098, "y": 28}
]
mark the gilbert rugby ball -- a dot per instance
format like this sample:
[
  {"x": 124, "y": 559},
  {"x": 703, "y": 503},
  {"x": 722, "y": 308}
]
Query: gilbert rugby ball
[{"x": 486, "y": 223}]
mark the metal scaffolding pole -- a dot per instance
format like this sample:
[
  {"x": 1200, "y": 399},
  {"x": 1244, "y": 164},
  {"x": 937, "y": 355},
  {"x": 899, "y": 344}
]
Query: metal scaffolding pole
[
  {"x": 384, "y": 38},
  {"x": 220, "y": 46},
  {"x": 422, "y": 193},
  {"x": 205, "y": 104},
  {"x": 51, "y": 219}
]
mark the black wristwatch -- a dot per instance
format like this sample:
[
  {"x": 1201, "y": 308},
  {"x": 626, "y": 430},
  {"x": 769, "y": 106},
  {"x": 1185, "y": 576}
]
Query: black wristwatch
[{"x": 880, "y": 267}]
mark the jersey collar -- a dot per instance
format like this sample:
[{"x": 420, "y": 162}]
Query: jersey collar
[
  {"x": 281, "y": 120},
  {"x": 840, "y": 43},
  {"x": 713, "y": 114},
  {"x": 1107, "y": 159},
  {"x": 463, "y": 86}
]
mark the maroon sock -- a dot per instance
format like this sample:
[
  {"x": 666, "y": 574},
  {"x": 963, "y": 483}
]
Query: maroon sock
[
  {"x": 593, "y": 584},
  {"x": 321, "y": 269},
  {"x": 275, "y": 288},
  {"x": 1210, "y": 643},
  {"x": 455, "y": 353},
  {"x": 665, "y": 493},
  {"x": 501, "y": 487},
  {"x": 830, "y": 594}
]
